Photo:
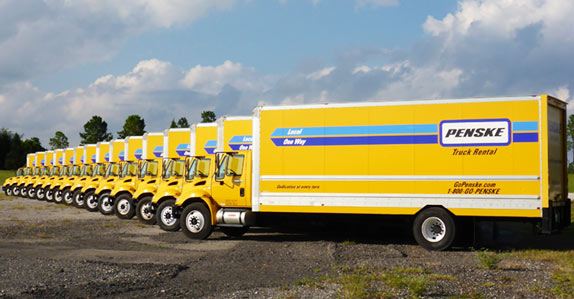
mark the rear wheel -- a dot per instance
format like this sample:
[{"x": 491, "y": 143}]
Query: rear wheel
[
  {"x": 145, "y": 211},
  {"x": 68, "y": 196},
  {"x": 434, "y": 229},
  {"x": 79, "y": 199},
  {"x": 49, "y": 194},
  {"x": 196, "y": 221},
  {"x": 234, "y": 231},
  {"x": 168, "y": 216},
  {"x": 8, "y": 190},
  {"x": 40, "y": 193},
  {"x": 124, "y": 206},
  {"x": 58, "y": 195},
  {"x": 106, "y": 203},
  {"x": 91, "y": 201}
]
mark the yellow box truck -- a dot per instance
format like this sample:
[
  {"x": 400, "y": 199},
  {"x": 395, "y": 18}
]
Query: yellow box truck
[
  {"x": 436, "y": 161},
  {"x": 37, "y": 189},
  {"x": 20, "y": 183},
  {"x": 124, "y": 207},
  {"x": 86, "y": 175},
  {"x": 39, "y": 169},
  {"x": 100, "y": 158},
  {"x": 69, "y": 169},
  {"x": 58, "y": 173},
  {"x": 115, "y": 168},
  {"x": 195, "y": 154},
  {"x": 152, "y": 153}
]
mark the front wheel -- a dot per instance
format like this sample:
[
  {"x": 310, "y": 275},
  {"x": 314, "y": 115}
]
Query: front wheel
[
  {"x": 16, "y": 190},
  {"x": 434, "y": 229},
  {"x": 91, "y": 201},
  {"x": 58, "y": 195},
  {"x": 145, "y": 211},
  {"x": 106, "y": 204},
  {"x": 196, "y": 221},
  {"x": 79, "y": 199},
  {"x": 124, "y": 207},
  {"x": 24, "y": 192},
  {"x": 32, "y": 192},
  {"x": 40, "y": 193},
  {"x": 168, "y": 216},
  {"x": 8, "y": 190},
  {"x": 49, "y": 194},
  {"x": 68, "y": 197}
]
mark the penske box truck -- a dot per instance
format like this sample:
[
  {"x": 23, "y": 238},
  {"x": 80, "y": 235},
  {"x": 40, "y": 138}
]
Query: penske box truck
[{"x": 435, "y": 161}]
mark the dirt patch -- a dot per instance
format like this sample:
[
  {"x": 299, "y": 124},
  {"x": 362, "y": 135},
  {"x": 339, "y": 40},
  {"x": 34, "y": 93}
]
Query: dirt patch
[{"x": 49, "y": 250}]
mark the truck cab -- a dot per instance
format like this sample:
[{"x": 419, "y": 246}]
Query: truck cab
[
  {"x": 8, "y": 184},
  {"x": 105, "y": 201},
  {"x": 88, "y": 190},
  {"x": 29, "y": 182},
  {"x": 45, "y": 191},
  {"x": 127, "y": 191}
]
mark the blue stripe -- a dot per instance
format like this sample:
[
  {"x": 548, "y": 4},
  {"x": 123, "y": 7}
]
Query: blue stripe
[
  {"x": 356, "y": 140},
  {"x": 522, "y": 126},
  {"x": 211, "y": 143},
  {"x": 240, "y": 147},
  {"x": 241, "y": 139},
  {"x": 356, "y": 130},
  {"x": 182, "y": 146},
  {"x": 183, "y": 153},
  {"x": 210, "y": 150},
  {"x": 524, "y": 137}
]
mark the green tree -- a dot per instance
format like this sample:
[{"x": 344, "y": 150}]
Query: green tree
[
  {"x": 570, "y": 130},
  {"x": 95, "y": 130},
  {"x": 183, "y": 123},
  {"x": 173, "y": 124},
  {"x": 134, "y": 126},
  {"x": 15, "y": 157},
  {"x": 32, "y": 145},
  {"x": 208, "y": 117},
  {"x": 59, "y": 141}
]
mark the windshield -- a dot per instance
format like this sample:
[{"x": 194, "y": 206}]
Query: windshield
[
  {"x": 175, "y": 168},
  {"x": 36, "y": 170},
  {"x": 45, "y": 171},
  {"x": 99, "y": 170},
  {"x": 55, "y": 171},
  {"x": 65, "y": 171},
  {"x": 75, "y": 170},
  {"x": 199, "y": 168},
  {"x": 130, "y": 169},
  {"x": 20, "y": 172},
  {"x": 150, "y": 168},
  {"x": 86, "y": 170},
  {"x": 113, "y": 170},
  {"x": 28, "y": 171}
]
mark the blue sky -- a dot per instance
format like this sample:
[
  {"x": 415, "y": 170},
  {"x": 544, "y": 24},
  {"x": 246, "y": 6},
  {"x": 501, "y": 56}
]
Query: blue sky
[{"x": 63, "y": 61}]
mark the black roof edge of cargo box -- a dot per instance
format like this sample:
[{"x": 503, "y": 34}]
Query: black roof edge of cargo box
[{"x": 401, "y": 102}]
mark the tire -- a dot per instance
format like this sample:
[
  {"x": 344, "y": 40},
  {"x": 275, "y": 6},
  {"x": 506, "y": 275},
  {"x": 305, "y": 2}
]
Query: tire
[
  {"x": 24, "y": 192},
  {"x": 124, "y": 207},
  {"x": 106, "y": 204},
  {"x": 49, "y": 194},
  {"x": 196, "y": 221},
  {"x": 68, "y": 197},
  {"x": 58, "y": 195},
  {"x": 79, "y": 199},
  {"x": 8, "y": 190},
  {"x": 234, "y": 232},
  {"x": 40, "y": 193},
  {"x": 91, "y": 201},
  {"x": 32, "y": 193},
  {"x": 16, "y": 190},
  {"x": 145, "y": 211},
  {"x": 434, "y": 229},
  {"x": 168, "y": 216}
]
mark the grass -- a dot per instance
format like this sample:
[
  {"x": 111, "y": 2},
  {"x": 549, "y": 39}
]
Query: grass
[
  {"x": 4, "y": 174},
  {"x": 487, "y": 259},
  {"x": 571, "y": 182}
]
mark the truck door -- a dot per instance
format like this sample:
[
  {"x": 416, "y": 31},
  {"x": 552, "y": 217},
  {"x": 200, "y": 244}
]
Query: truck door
[{"x": 228, "y": 189}]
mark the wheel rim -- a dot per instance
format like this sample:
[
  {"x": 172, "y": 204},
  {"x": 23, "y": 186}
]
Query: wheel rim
[
  {"x": 16, "y": 191},
  {"x": 107, "y": 203},
  {"x": 40, "y": 193},
  {"x": 31, "y": 192},
  {"x": 79, "y": 198},
  {"x": 194, "y": 221},
  {"x": 123, "y": 206},
  {"x": 167, "y": 216},
  {"x": 49, "y": 194},
  {"x": 145, "y": 211},
  {"x": 68, "y": 198},
  {"x": 433, "y": 229},
  {"x": 9, "y": 191},
  {"x": 58, "y": 196},
  {"x": 91, "y": 201}
]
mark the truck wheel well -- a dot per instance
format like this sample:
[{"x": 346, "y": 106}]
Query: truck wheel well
[
  {"x": 144, "y": 195},
  {"x": 434, "y": 206},
  {"x": 122, "y": 193},
  {"x": 164, "y": 199}
]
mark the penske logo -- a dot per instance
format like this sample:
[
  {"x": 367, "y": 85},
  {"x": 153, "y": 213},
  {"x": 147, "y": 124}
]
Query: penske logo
[{"x": 475, "y": 132}]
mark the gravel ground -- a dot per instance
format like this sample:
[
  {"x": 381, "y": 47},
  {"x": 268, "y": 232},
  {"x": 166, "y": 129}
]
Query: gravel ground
[{"x": 54, "y": 251}]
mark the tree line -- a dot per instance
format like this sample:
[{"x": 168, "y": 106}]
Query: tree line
[{"x": 13, "y": 150}]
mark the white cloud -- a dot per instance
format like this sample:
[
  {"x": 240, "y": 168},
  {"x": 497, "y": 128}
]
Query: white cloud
[
  {"x": 320, "y": 73},
  {"x": 42, "y": 36}
]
